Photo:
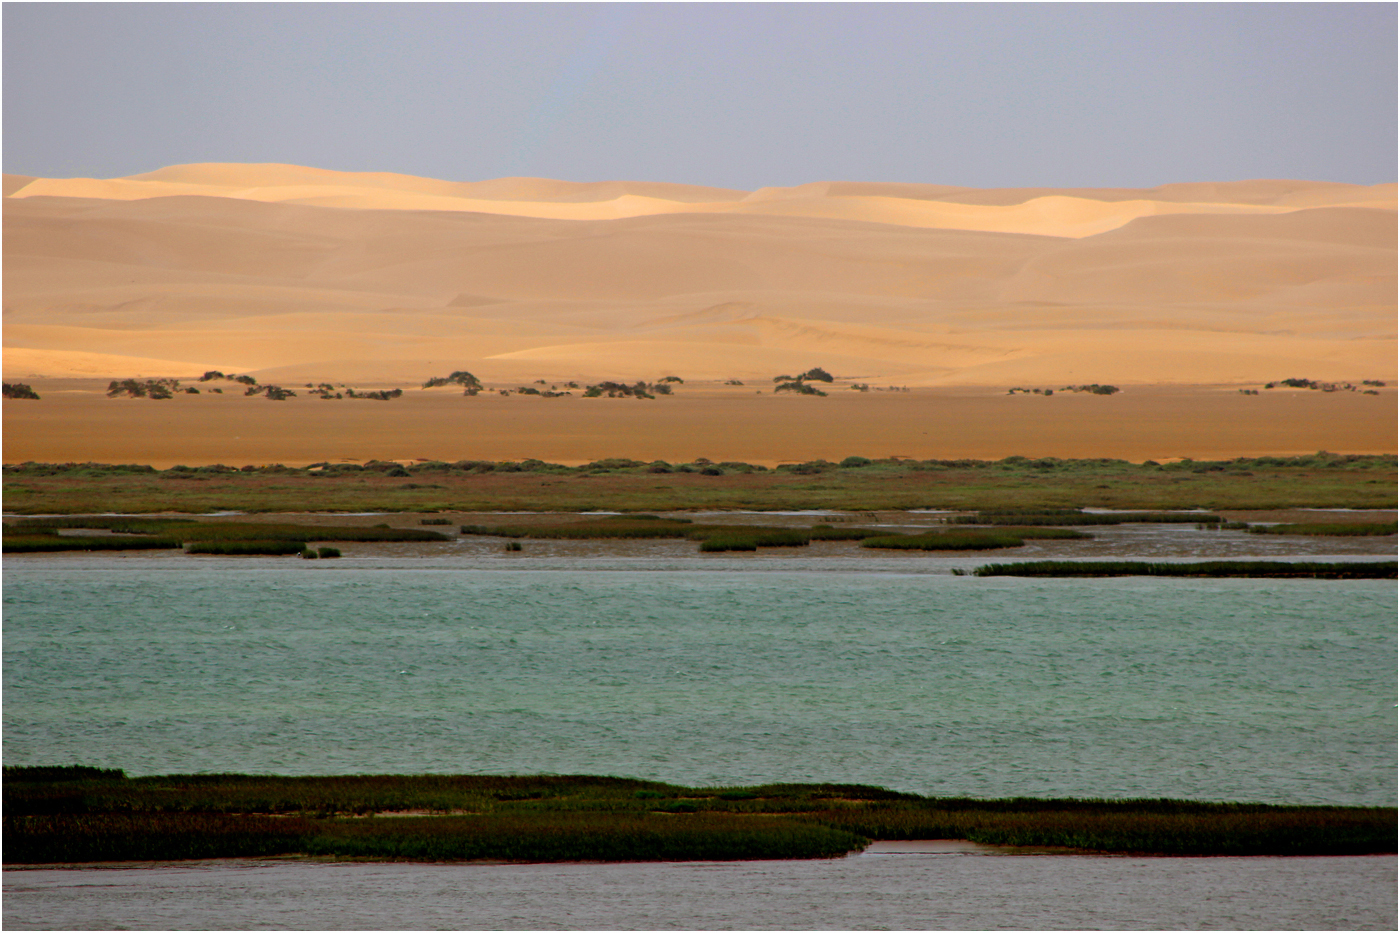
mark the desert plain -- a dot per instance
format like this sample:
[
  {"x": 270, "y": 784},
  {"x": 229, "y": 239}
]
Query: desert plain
[{"x": 927, "y": 304}]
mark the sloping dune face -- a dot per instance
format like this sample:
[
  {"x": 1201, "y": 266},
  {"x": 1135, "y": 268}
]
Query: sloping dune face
[{"x": 300, "y": 273}]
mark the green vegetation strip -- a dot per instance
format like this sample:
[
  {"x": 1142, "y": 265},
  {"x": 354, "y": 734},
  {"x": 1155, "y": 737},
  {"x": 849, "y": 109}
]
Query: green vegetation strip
[
  {"x": 232, "y": 538},
  {"x": 76, "y": 814},
  {"x": 1077, "y": 517},
  {"x": 23, "y": 544},
  {"x": 1321, "y": 480},
  {"x": 711, "y": 537},
  {"x": 1349, "y": 570},
  {"x": 970, "y": 540}
]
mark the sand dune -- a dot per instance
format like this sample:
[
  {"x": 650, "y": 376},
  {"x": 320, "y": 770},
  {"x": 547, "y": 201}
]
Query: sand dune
[
  {"x": 1069, "y": 213},
  {"x": 301, "y": 274}
]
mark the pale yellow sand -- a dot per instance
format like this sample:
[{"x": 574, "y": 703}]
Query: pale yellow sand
[{"x": 298, "y": 274}]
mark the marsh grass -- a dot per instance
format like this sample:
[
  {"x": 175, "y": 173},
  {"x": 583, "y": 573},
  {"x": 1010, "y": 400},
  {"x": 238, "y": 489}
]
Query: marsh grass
[
  {"x": 1317, "y": 480},
  {"x": 971, "y": 540},
  {"x": 610, "y": 527},
  {"x": 711, "y": 537},
  {"x": 249, "y": 547},
  {"x": 1340, "y": 570},
  {"x": 734, "y": 542},
  {"x": 70, "y": 815},
  {"x": 104, "y": 837},
  {"x": 830, "y": 533},
  {"x": 20, "y": 544},
  {"x": 1076, "y": 517},
  {"x": 1146, "y": 826},
  {"x": 232, "y": 538}
]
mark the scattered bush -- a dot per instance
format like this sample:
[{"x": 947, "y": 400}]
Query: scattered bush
[
  {"x": 150, "y": 388},
  {"x": 328, "y": 552},
  {"x": 801, "y": 388},
  {"x": 19, "y": 390},
  {"x": 459, "y": 377},
  {"x": 639, "y": 389}
]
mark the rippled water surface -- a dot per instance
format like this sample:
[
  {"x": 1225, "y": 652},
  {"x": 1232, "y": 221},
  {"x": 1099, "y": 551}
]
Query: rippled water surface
[
  {"x": 859, "y": 893},
  {"x": 888, "y": 672}
]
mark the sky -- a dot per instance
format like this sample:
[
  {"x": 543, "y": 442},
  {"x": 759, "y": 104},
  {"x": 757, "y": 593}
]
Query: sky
[{"x": 732, "y": 95}]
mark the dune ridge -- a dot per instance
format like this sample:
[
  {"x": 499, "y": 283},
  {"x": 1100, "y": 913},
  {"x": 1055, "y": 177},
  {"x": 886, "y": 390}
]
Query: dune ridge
[{"x": 317, "y": 274}]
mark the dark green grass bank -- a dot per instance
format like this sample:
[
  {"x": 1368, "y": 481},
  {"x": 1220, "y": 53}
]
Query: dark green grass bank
[
  {"x": 1078, "y": 517},
  {"x": 31, "y": 544},
  {"x": 228, "y": 538},
  {"x": 971, "y": 540},
  {"x": 856, "y": 484},
  {"x": 752, "y": 537},
  {"x": 60, "y": 815},
  {"x": 1338, "y": 570}
]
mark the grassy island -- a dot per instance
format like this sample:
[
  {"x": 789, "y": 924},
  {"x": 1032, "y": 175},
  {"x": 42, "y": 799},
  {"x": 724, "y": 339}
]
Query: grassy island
[
  {"x": 79, "y": 814},
  {"x": 1268, "y": 569}
]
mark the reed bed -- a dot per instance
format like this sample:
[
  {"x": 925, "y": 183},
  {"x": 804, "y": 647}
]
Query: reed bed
[
  {"x": 72, "y": 814},
  {"x": 1076, "y": 517},
  {"x": 248, "y": 547},
  {"x": 971, "y": 540},
  {"x": 1318, "y": 480},
  {"x": 36, "y": 535},
  {"x": 111, "y": 837},
  {"x": 1340, "y": 570},
  {"x": 18, "y": 544},
  {"x": 1340, "y": 529},
  {"x": 711, "y": 537},
  {"x": 1135, "y": 827},
  {"x": 831, "y": 533},
  {"x": 610, "y": 527},
  {"x": 606, "y": 837},
  {"x": 729, "y": 543}
]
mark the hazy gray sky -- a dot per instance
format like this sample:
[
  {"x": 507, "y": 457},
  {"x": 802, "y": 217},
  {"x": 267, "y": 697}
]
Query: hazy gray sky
[{"x": 735, "y": 95}]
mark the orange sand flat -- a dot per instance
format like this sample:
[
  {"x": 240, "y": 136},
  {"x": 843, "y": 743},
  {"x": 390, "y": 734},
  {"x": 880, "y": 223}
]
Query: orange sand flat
[
  {"x": 295, "y": 274},
  {"x": 75, "y": 421}
]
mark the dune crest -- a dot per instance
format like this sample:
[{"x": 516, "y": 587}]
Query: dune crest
[
  {"x": 1044, "y": 212},
  {"x": 319, "y": 274}
]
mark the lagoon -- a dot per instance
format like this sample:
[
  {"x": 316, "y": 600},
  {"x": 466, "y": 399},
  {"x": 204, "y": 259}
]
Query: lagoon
[{"x": 728, "y": 672}]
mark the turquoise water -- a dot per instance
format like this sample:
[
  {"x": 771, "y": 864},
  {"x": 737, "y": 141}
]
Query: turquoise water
[
  {"x": 863, "y": 892},
  {"x": 1279, "y": 691}
]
